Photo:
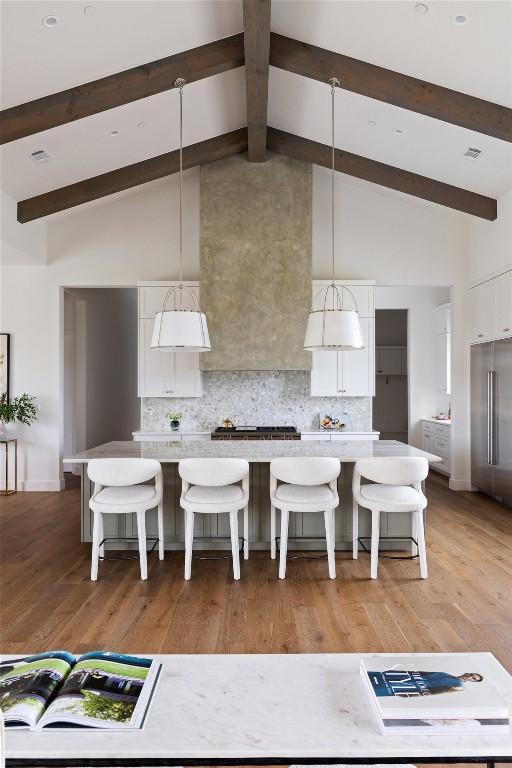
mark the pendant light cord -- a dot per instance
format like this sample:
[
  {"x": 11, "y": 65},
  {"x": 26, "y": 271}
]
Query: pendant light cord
[
  {"x": 334, "y": 83},
  {"x": 179, "y": 83}
]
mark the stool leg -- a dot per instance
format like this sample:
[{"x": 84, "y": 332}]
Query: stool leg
[
  {"x": 375, "y": 543},
  {"x": 233, "y": 522},
  {"x": 355, "y": 530},
  {"x": 273, "y": 533},
  {"x": 329, "y": 536},
  {"x": 421, "y": 544},
  {"x": 283, "y": 549},
  {"x": 414, "y": 534},
  {"x": 141, "y": 533},
  {"x": 102, "y": 536},
  {"x": 246, "y": 533},
  {"x": 189, "y": 539},
  {"x": 160, "y": 531},
  {"x": 96, "y": 533}
]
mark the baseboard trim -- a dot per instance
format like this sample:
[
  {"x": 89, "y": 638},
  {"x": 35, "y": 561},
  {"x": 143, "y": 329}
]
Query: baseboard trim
[
  {"x": 459, "y": 485},
  {"x": 31, "y": 485}
]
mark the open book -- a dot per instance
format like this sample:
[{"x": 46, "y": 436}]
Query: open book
[
  {"x": 60, "y": 690},
  {"x": 438, "y": 693}
]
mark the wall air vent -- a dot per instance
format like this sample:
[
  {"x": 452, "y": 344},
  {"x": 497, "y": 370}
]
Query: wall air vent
[
  {"x": 472, "y": 153},
  {"x": 39, "y": 156}
]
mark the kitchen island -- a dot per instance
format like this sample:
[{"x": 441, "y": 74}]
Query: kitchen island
[{"x": 212, "y": 531}]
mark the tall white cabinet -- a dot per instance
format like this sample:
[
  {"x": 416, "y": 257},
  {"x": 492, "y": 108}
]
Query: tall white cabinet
[
  {"x": 347, "y": 374},
  {"x": 164, "y": 372}
]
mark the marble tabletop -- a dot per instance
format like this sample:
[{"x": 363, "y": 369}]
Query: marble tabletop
[
  {"x": 262, "y": 451},
  {"x": 255, "y": 707}
]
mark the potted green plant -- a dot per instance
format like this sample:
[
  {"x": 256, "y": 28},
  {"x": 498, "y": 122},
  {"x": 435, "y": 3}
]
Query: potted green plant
[
  {"x": 21, "y": 408},
  {"x": 174, "y": 420}
]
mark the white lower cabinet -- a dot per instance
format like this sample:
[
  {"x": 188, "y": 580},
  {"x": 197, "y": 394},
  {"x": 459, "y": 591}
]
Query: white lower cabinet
[
  {"x": 163, "y": 372},
  {"x": 346, "y": 374},
  {"x": 436, "y": 440}
]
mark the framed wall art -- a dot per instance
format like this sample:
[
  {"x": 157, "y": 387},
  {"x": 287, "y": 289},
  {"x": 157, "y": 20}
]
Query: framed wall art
[{"x": 5, "y": 343}]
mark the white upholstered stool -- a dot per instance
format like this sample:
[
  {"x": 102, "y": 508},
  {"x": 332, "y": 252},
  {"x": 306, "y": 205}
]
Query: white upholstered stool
[
  {"x": 118, "y": 490},
  {"x": 395, "y": 487},
  {"x": 307, "y": 485},
  {"x": 211, "y": 487}
]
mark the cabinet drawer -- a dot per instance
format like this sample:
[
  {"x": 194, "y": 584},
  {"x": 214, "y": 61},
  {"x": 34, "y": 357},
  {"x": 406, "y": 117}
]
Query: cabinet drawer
[
  {"x": 315, "y": 437},
  {"x": 428, "y": 428},
  {"x": 443, "y": 431},
  {"x": 441, "y": 447}
]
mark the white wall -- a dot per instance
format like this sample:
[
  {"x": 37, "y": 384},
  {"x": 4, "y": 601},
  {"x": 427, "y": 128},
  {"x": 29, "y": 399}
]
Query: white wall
[
  {"x": 399, "y": 241},
  {"x": 490, "y": 243},
  {"x": 115, "y": 242}
]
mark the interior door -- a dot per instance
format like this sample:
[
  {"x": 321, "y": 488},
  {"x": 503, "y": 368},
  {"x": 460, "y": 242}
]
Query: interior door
[
  {"x": 503, "y": 470},
  {"x": 482, "y": 470}
]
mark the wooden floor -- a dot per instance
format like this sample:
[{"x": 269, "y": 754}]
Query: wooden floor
[{"x": 48, "y": 601}]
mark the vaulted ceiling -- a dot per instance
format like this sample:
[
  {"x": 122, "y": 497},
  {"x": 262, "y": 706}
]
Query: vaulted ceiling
[{"x": 474, "y": 58}]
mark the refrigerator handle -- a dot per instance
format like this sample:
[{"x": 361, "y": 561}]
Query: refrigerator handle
[{"x": 491, "y": 420}]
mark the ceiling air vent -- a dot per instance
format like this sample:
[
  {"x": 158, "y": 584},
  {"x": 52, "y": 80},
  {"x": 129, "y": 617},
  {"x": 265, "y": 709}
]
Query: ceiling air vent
[
  {"x": 472, "y": 153},
  {"x": 39, "y": 156}
]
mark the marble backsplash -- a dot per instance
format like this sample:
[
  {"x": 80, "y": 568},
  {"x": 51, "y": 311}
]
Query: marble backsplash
[{"x": 275, "y": 398}]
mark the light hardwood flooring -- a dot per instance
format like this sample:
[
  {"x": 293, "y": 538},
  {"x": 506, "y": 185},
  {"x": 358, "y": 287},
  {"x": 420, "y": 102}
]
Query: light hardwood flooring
[{"x": 48, "y": 601}]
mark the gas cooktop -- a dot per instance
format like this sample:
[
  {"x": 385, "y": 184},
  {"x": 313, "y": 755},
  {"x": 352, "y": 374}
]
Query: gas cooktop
[{"x": 255, "y": 433}]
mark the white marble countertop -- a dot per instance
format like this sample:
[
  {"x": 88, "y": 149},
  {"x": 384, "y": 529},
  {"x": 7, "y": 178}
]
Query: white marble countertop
[
  {"x": 160, "y": 432},
  {"x": 258, "y": 451},
  {"x": 250, "y": 707},
  {"x": 439, "y": 421}
]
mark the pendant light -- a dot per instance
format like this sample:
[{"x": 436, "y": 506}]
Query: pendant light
[
  {"x": 333, "y": 326},
  {"x": 176, "y": 327}
]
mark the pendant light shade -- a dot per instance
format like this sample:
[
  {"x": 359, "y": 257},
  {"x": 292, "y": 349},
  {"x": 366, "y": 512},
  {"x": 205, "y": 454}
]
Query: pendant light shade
[
  {"x": 176, "y": 327},
  {"x": 333, "y": 327}
]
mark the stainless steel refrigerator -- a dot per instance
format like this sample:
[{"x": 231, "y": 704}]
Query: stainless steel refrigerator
[{"x": 491, "y": 419}]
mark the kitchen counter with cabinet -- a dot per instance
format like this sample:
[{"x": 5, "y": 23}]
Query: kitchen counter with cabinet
[
  {"x": 186, "y": 435},
  {"x": 436, "y": 439},
  {"x": 212, "y": 531}
]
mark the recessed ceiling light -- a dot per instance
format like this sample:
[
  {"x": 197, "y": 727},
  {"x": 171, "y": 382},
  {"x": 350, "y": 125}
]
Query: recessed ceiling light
[
  {"x": 115, "y": 132},
  {"x": 372, "y": 123},
  {"x": 459, "y": 19},
  {"x": 90, "y": 10},
  {"x": 141, "y": 124},
  {"x": 50, "y": 21},
  {"x": 398, "y": 131},
  {"x": 421, "y": 8}
]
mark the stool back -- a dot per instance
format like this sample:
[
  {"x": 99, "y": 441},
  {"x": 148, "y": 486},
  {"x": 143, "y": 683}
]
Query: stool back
[
  {"x": 305, "y": 470},
  {"x": 213, "y": 471},
  {"x": 114, "y": 472},
  {"x": 406, "y": 470}
]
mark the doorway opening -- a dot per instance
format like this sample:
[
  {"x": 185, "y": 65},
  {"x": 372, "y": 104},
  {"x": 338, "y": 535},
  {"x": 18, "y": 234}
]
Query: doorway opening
[
  {"x": 391, "y": 401},
  {"x": 100, "y": 401}
]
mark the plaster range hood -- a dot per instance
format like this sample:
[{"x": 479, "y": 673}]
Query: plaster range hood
[{"x": 256, "y": 263}]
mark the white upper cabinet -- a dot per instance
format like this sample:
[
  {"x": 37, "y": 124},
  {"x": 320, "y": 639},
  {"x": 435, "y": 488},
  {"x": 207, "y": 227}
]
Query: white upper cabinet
[
  {"x": 444, "y": 348},
  {"x": 351, "y": 373},
  {"x": 164, "y": 372},
  {"x": 503, "y": 305},
  {"x": 491, "y": 309}
]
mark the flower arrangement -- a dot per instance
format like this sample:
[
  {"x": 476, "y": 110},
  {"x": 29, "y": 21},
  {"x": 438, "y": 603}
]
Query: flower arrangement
[
  {"x": 21, "y": 408},
  {"x": 174, "y": 420}
]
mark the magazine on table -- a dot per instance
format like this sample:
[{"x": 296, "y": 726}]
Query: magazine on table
[
  {"x": 59, "y": 690},
  {"x": 438, "y": 693}
]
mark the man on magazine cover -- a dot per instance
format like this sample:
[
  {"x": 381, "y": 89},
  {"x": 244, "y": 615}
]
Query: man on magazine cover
[{"x": 396, "y": 682}]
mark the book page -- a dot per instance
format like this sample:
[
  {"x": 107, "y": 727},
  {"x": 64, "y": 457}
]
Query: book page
[
  {"x": 26, "y": 685},
  {"x": 104, "y": 690}
]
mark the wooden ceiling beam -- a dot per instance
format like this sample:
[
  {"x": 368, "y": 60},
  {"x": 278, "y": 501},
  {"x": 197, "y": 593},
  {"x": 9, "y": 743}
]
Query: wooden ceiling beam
[
  {"x": 392, "y": 87},
  {"x": 121, "y": 88},
  {"x": 132, "y": 175},
  {"x": 385, "y": 175},
  {"x": 257, "y": 50}
]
